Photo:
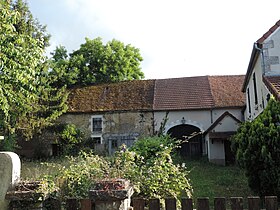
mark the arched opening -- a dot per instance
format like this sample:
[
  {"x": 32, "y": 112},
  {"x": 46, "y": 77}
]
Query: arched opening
[{"x": 192, "y": 144}]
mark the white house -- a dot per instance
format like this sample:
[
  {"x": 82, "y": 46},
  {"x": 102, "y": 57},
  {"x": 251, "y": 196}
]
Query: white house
[
  {"x": 205, "y": 111},
  {"x": 263, "y": 74}
]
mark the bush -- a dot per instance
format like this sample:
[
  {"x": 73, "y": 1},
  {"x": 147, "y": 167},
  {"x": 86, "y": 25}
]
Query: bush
[
  {"x": 257, "y": 148},
  {"x": 70, "y": 138},
  {"x": 75, "y": 179},
  {"x": 149, "y": 166}
]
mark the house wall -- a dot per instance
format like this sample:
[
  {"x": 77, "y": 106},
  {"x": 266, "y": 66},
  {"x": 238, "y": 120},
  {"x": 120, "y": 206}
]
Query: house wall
[
  {"x": 271, "y": 49},
  {"x": 216, "y": 149},
  {"x": 203, "y": 119},
  {"x": 253, "y": 107},
  {"x": 256, "y": 108},
  {"x": 117, "y": 127},
  {"x": 267, "y": 64}
]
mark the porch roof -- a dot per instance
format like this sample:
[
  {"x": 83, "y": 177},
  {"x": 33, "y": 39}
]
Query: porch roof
[{"x": 273, "y": 85}]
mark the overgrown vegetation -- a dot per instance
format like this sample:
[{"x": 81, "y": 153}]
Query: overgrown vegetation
[
  {"x": 257, "y": 148},
  {"x": 153, "y": 174}
]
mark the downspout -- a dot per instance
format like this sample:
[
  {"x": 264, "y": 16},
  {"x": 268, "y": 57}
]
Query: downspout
[{"x": 262, "y": 56}]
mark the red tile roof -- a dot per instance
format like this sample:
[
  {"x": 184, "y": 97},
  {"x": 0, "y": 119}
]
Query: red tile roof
[
  {"x": 226, "y": 90},
  {"x": 269, "y": 32},
  {"x": 273, "y": 85},
  {"x": 185, "y": 93}
]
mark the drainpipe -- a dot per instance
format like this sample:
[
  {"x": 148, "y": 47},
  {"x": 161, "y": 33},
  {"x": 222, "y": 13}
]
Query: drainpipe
[{"x": 262, "y": 56}]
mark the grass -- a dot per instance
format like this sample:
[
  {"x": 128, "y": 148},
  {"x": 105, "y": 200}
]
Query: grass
[{"x": 208, "y": 180}]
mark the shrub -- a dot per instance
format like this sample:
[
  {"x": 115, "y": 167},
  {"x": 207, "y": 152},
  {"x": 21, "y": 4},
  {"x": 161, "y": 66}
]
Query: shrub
[
  {"x": 149, "y": 166},
  {"x": 70, "y": 138},
  {"x": 75, "y": 179},
  {"x": 257, "y": 148}
]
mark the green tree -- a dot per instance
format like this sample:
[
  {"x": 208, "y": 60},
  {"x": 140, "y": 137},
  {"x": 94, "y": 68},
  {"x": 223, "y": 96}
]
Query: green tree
[
  {"x": 27, "y": 100},
  {"x": 257, "y": 148},
  {"x": 96, "y": 62}
]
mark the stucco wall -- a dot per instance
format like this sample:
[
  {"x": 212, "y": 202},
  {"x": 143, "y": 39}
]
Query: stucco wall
[
  {"x": 216, "y": 151},
  {"x": 262, "y": 92},
  {"x": 203, "y": 119},
  {"x": 216, "y": 147},
  {"x": 271, "y": 49}
]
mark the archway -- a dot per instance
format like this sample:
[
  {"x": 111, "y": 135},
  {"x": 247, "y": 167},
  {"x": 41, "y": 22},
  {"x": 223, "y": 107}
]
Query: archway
[{"x": 192, "y": 144}]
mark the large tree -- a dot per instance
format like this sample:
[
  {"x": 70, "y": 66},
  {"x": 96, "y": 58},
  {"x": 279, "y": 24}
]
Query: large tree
[
  {"x": 27, "y": 101},
  {"x": 257, "y": 148},
  {"x": 96, "y": 63}
]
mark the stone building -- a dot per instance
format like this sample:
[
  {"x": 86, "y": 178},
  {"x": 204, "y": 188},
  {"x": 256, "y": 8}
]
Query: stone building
[{"x": 205, "y": 111}]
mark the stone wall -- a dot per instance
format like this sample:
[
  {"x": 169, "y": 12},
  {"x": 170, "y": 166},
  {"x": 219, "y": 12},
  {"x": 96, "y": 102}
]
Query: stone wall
[{"x": 117, "y": 127}]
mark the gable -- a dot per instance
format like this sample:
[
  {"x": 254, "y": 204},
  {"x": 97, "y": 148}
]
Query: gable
[{"x": 226, "y": 122}]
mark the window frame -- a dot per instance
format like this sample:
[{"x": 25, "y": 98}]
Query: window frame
[{"x": 98, "y": 130}]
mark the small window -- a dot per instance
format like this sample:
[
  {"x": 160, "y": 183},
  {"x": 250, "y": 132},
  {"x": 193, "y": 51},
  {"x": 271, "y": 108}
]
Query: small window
[
  {"x": 96, "y": 140},
  {"x": 249, "y": 101},
  {"x": 96, "y": 124},
  {"x": 255, "y": 88}
]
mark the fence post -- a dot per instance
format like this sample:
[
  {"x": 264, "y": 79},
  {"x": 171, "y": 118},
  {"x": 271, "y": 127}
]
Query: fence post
[
  {"x": 170, "y": 203},
  {"x": 236, "y": 203},
  {"x": 187, "y": 204},
  {"x": 72, "y": 204},
  {"x": 271, "y": 203},
  {"x": 85, "y": 204},
  {"x": 154, "y": 204},
  {"x": 253, "y": 203},
  {"x": 220, "y": 203},
  {"x": 203, "y": 204},
  {"x": 138, "y": 204}
]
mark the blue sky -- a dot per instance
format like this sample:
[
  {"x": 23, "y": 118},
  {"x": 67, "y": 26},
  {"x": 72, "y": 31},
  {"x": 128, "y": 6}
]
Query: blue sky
[{"x": 177, "y": 38}]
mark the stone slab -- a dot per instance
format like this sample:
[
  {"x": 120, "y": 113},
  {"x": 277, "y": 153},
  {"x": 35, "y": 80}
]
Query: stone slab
[{"x": 9, "y": 174}]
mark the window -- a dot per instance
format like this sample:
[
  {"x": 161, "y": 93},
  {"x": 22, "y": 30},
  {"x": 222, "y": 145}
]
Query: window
[
  {"x": 96, "y": 123},
  {"x": 96, "y": 140},
  {"x": 249, "y": 101},
  {"x": 255, "y": 88}
]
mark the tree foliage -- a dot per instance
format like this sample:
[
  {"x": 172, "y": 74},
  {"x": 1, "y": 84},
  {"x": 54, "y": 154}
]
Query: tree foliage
[
  {"x": 257, "y": 148},
  {"x": 95, "y": 62},
  {"x": 27, "y": 100}
]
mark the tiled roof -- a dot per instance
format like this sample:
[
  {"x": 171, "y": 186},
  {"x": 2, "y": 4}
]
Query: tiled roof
[
  {"x": 122, "y": 96},
  {"x": 273, "y": 84},
  {"x": 269, "y": 32},
  {"x": 226, "y": 90},
  {"x": 183, "y": 93}
]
